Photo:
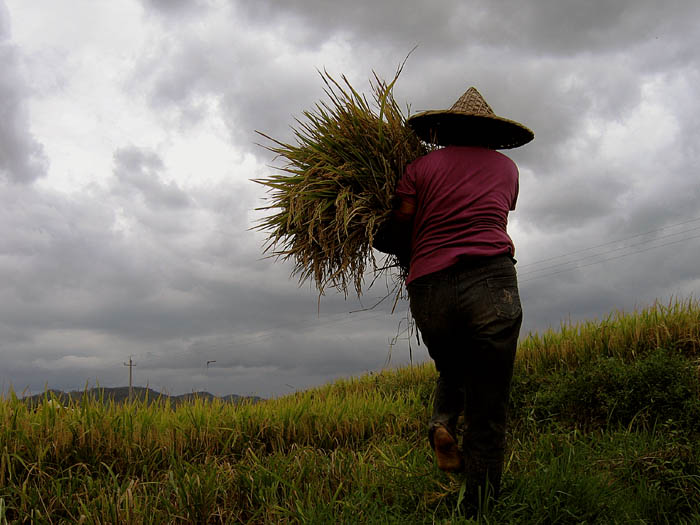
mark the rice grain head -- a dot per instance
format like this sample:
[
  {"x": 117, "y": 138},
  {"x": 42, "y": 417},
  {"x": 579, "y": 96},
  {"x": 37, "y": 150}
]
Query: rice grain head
[{"x": 336, "y": 184}]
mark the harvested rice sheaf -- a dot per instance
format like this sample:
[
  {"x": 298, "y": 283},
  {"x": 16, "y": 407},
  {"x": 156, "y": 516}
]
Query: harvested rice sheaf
[{"x": 336, "y": 185}]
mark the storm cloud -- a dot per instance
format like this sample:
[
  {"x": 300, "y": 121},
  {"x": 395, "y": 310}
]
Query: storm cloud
[
  {"x": 128, "y": 143},
  {"x": 22, "y": 158}
]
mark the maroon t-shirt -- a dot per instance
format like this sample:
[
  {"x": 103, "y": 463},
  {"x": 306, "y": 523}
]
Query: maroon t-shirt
[{"x": 462, "y": 197}]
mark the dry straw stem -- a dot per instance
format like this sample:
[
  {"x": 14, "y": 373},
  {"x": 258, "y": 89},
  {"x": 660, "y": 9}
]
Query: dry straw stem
[{"x": 336, "y": 185}]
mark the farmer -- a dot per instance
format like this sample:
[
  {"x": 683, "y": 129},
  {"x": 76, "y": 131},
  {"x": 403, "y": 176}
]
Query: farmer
[{"x": 452, "y": 211}]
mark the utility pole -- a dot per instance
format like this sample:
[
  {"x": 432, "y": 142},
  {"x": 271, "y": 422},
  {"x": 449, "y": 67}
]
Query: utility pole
[{"x": 131, "y": 365}]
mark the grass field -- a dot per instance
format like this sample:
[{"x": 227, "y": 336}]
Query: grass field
[{"x": 605, "y": 419}]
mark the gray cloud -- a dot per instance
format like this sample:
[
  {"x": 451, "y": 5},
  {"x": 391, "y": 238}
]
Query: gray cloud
[
  {"x": 253, "y": 90},
  {"x": 140, "y": 265},
  {"x": 4, "y": 22},
  {"x": 570, "y": 27},
  {"x": 175, "y": 7},
  {"x": 139, "y": 173},
  {"x": 566, "y": 77},
  {"x": 167, "y": 270},
  {"x": 548, "y": 28},
  {"x": 22, "y": 158}
]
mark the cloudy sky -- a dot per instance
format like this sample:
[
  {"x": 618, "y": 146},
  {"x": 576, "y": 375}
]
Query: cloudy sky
[{"x": 127, "y": 145}]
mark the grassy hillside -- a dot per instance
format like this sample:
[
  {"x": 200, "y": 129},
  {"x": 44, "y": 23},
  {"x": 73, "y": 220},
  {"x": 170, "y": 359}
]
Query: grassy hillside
[{"x": 605, "y": 418}]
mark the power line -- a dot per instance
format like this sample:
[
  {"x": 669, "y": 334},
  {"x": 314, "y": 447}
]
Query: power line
[
  {"x": 610, "y": 259},
  {"x": 602, "y": 254},
  {"x": 343, "y": 317},
  {"x": 609, "y": 243},
  {"x": 270, "y": 333},
  {"x": 562, "y": 267}
]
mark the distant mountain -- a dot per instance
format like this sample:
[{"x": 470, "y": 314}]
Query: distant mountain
[{"x": 121, "y": 394}]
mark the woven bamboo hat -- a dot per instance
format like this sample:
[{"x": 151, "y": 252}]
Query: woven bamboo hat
[{"x": 470, "y": 122}]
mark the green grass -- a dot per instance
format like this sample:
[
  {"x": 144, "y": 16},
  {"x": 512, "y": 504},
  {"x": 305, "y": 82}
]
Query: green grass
[{"x": 604, "y": 429}]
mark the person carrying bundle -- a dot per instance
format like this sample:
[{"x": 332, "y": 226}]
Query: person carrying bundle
[{"x": 451, "y": 216}]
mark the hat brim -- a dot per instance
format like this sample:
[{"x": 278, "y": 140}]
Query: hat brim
[{"x": 447, "y": 128}]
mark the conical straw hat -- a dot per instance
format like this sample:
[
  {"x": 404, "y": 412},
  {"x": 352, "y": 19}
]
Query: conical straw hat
[{"x": 470, "y": 122}]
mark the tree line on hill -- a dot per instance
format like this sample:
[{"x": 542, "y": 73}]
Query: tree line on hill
[{"x": 121, "y": 395}]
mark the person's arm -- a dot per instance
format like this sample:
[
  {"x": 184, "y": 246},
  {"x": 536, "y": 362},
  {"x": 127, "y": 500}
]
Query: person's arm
[
  {"x": 405, "y": 210},
  {"x": 394, "y": 236},
  {"x": 403, "y": 218},
  {"x": 403, "y": 228}
]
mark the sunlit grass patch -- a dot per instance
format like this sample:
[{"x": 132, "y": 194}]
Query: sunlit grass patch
[{"x": 675, "y": 325}]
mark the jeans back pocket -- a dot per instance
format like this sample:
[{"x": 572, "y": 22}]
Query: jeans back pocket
[{"x": 504, "y": 296}]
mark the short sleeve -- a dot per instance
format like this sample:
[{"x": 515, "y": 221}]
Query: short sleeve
[{"x": 516, "y": 190}]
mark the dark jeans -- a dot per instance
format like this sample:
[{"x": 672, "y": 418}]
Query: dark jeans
[{"x": 469, "y": 316}]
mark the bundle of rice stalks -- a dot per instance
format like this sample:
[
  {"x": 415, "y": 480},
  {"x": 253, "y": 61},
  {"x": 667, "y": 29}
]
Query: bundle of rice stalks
[{"x": 337, "y": 184}]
